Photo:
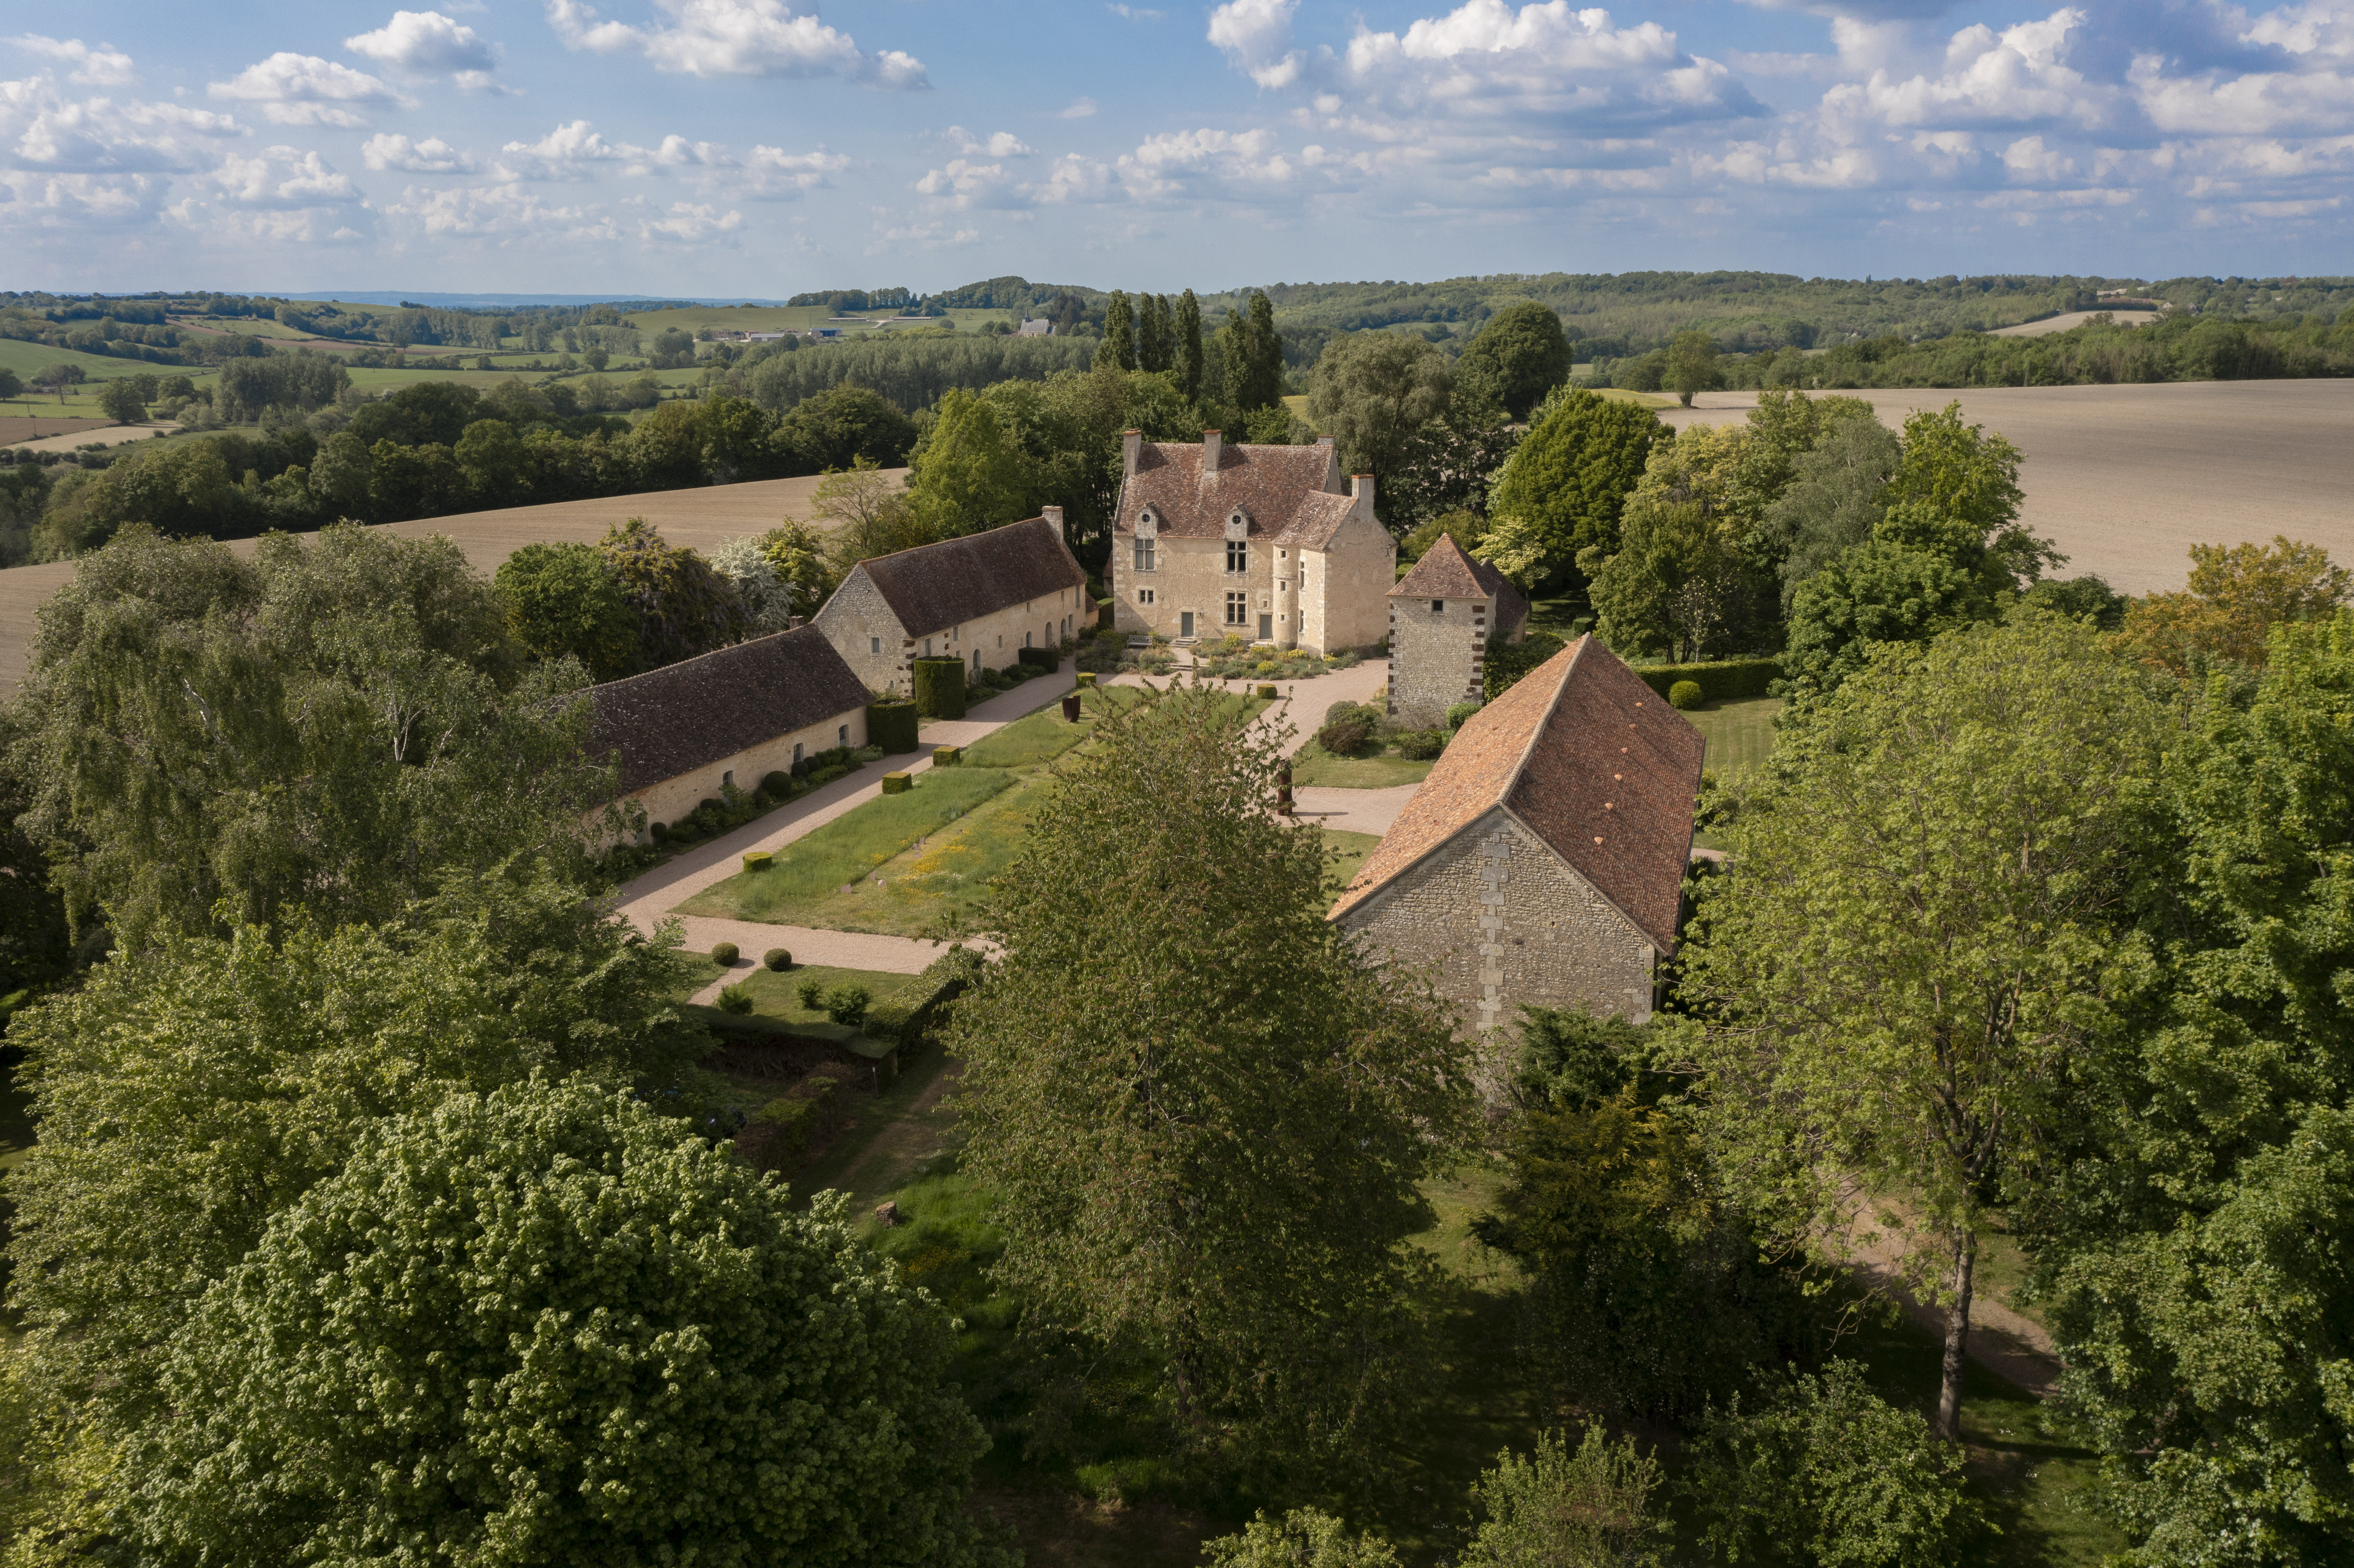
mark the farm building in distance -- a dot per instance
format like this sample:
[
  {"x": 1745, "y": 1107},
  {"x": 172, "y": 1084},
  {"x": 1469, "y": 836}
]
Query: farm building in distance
[
  {"x": 982, "y": 598},
  {"x": 688, "y": 732},
  {"x": 1542, "y": 860}
]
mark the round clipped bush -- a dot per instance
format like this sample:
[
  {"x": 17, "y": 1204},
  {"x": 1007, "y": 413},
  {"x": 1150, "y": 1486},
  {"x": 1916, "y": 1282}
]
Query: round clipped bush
[
  {"x": 939, "y": 688},
  {"x": 891, "y": 725},
  {"x": 776, "y": 786},
  {"x": 1422, "y": 745},
  {"x": 1458, "y": 713},
  {"x": 758, "y": 860},
  {"x": 723, "y": 953},
  {"x": 1686, "y": 695},
  {"x": 777, "y": 958},
  {"x": 657, "y": 832}
]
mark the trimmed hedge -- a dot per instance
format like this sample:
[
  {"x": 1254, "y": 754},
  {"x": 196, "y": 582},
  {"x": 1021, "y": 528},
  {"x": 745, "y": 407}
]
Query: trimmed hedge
[
  {"x": 948, "y": 755},
  {"x": 777, "y": 958},
  {"x": 1041, "y": 658},
  {"x": 1686, "y": 696},
  {"x": 723, "y": 954},
  {"x": 1724, "y": 678},
  {"x": 897, "y": 783},
  {"x": 940, "y": 690},
  {"x": 1087, "y": 678},
  {"x": 757, "y": 860},
  {"x": 891, "y": 725}
]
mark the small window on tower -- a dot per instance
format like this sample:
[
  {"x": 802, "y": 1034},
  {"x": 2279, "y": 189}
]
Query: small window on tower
[
  {"x": 874, "y": 645},
  {"x": 1438, "y": 606}
]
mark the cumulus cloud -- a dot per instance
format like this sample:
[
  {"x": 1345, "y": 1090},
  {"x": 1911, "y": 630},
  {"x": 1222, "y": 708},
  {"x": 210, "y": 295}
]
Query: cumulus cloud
[
  {"x": 104, "y": 66},
  {"x": 65, "y": 203},
  {"x": 1080, "y": 109},
  {"x": 2020, "y": 76},
  {"x": 281, "y": 178},
  {"x": 688, "y": 222},
  {"x": 504, "y": 212},
  {"x": 1255, "y": 37},
  {"x": 1207, "y": 161},
  {"x": 430, "y": 156},
  {"x": 737, "y": 38},
  {"x": 998, "y": 144},
  {"x": 303, "y": 90},
  {"x": 568, "y": 151},
  {"x": 43, "y": 128},
  {"x": 420, "y": 44}
]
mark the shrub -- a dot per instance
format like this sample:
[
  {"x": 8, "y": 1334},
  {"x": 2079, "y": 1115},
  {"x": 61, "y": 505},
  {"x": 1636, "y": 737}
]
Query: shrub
[
  {"x": 1304, "y": 1538},
  {"x": 1823, "y": 1469},
  {"x": 846, "y": 1003},
  {"x": 1421, "y": 744},
  {"x": 1460, "y": 711},
  {"x": 939, "y": 688},
  {"x": 1265, "y": 690},
  {"x": 809, "y": 995},
  {"x": 886, "y": 1021},
  {"x": 947, "y": 755},
  {"x": 658, "y": 831},
  {"x": 777, "y": 958},
  {"x": 757, "y": 860},
  {"x": 1345, "y": 712},
  {"x": 897, "y": 783},
  {"x": 1686, "y": 695},
  {"x": 1592, "y": 1505},
  {"x": 1045, "y": 658},
  {"x": 1087, "y": 678},
  {"x": 891, "y": 725},
  {"x": 1718, "y": 682},
  {"x": 776, "y": 786},
  {"x": 723, "y": 954},
  {"x": 1346, "y": 738},
  {"x": 735, "y": 999},
  {"x": 827, "y": 775}
]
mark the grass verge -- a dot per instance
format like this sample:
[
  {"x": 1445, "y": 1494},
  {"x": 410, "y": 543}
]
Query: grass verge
[
  {"x": 1348, "y": 853},
  {"x": 1315, "y": 768},
  {"x": 1740, "y": 734}
]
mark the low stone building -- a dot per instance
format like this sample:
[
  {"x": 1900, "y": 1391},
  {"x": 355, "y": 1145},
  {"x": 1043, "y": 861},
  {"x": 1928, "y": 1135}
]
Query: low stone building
[
  {"x": 1262, "y": 542},
  {"x": 685, "y": 732},
  {"x": 1542, "y": 860},
  {"x": 982, "y": 598},
  {"x": 1444, "y": 614}
]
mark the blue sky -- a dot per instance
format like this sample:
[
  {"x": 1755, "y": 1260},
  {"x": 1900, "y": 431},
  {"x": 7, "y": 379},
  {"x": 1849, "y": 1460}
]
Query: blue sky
[{"x": 762, "y": 147}]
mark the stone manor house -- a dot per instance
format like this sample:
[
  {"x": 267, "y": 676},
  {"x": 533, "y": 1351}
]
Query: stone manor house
[
  {"x": 1261, "y": 542},
  {"x": 1542, "y": 860}
]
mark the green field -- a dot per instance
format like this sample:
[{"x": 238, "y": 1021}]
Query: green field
[
  {"x": 1740, "y": 734},
  {"x": 26, "y": 359}
]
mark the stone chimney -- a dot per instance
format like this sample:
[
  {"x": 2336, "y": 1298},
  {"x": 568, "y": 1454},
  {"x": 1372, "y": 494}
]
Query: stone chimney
[
  {"x": 1053, "y": 514},
  {"x": 1364, "y": 487},
  {"x": 1131, "y": 444},
  {"x": 1210, "y": 442},
  {"x": 1332, "y": 464}
]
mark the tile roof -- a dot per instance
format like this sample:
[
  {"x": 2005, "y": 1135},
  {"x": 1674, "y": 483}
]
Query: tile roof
[
  {"x": 934, "y": 586},
  {"x": 1272, "y": 485},
  {"x": 690, "y": 715},
  {"x": 1445, "y": 572},
  {"x": 1587, "y": 757}
]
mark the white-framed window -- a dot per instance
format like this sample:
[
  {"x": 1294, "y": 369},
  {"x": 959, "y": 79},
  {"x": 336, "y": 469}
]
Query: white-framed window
[
  {"x": 1238, "y": 610},
  {"x": 1143, "y": 553},
  {"x": 1144, "y": 595},
  {"x": 1239, "y": 555}
]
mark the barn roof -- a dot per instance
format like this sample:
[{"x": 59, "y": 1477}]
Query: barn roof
[
  {"x": 693, "y": 714},
  {"x": 1587, "y": 757},
  {"x": 934, "y": 586},
  {"x": 1276, "y": 487},
  {"x": 1445, "y": 572}
]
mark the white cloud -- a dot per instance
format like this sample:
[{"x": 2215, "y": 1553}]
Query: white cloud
[
  {"x": 281, "y": 178},
  {"x": 690, "y": 223},
  {"x": 430, "y": 156},
  {"x": 30, "y": 200},
  {"x": 303, "y": 90},
  {"x": 568, "y": 153},
  {"x": 104, "y": 66},
  {"x": 426, "y": 44},
  {"x": 505, "y": 212},
  {"x": 1256, "y": 35},
  {"x": 737, "y": 38},
  {"x": 2029, "y": 159},
  {"x": 2020, "y": 76},
  {"x": 1080, "y": 109},
  {"x": 1135, "y": 13},
  {"x": 41, "y": 129},
  {"x": 999, "y": 145},
  {"x": 1207, "y": 161}
]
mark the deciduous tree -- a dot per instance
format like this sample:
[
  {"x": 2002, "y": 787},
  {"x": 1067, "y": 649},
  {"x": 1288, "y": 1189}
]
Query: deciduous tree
[
  {"x": 683, "y": 607},
  {"x": 2236, "y": 596},
  {"x": 1566, "y": 483},
  {"x": 1189, "y": 365},
  {"x": 1557, "y": 1507},
  {"x": 1522, "y": 349},
  {"x": 563, "y": 600},
  {"x": 1118, "y": 346},
  {"x": 1374, "y": 392},
  {"x": 119, "y": 400},
  {"x": 967, "y": 475},
  {"x": 1691, "y": 365}
]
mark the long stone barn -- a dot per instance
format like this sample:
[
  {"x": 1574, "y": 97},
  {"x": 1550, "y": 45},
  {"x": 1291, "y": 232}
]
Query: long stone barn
[
  {"x": 1542, "y": 860},
  {"x": 685, "y": 733}
]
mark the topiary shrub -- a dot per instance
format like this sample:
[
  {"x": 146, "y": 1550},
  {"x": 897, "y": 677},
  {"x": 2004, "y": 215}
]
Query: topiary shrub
[
  {"x": 939, "y": 689},
  {"x": 776, "y": 786},
  {"x": 846, "y": 1003},
  {"x": 897, "y": 783},
  {"x": 886, "y": 1021},
  {"x": 735, "y": 999},
  {"x": 657, "y": 832},
  {"x": 811, "y": 995},
  {"x": 1086, "y": 679},
  {"x": 948, "y": 755},
  {"x": 1457, "y": 715},
  {"x": 777, "y": 958},
  {"x": 891, "y": 725},
  {"x": 1686, "y": 695},
  {"x": 723, "y": 954},
  {"x": 757, "y": 860},
  {"x": 1346, "y": 738},
  {"x": 1048, "y": 659},
  {"x": 1422, "y": 745}
]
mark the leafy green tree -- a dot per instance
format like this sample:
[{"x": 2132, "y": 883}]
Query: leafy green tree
[
  {"x": 12, "y": 386},
  {"x": 1189, "y": 361},
  {"x": 1523, "y": 349},
  {"x": 1155, "y": 333},
  {"x": 841, "y": 426},
  {"x": 1684, "y": 577},
  {"x": 968, "y": 476},
  {"x": 1691, "y": 365},
  {"x": 546, "y": 1324},
  {"x": 119, "y": 400},
  {"x": 2190, "y": 1228},
  {"x": 336, "y": 724},
  {"x": 1251, "y": 350},
  {"x": 2235, "y": 597},
  {"x": 1452, "y": 461},
  {"x": 1118, "y": 346},
  {"x": 683, "y": 607},
  {"x": 417, "y": 415},
  {"x": 1838, "y": 493},
  {"x": 1373, "y": 392},
  {"x": 1302, "y": 1538},
  {"x": 1201, "y": 1111},
  {"x": 1566, "y": 483},
  {"x": 182, "y": 488},
  {"x": 1819, "y": 1469},
  {"x": 415, "y": 482},
  {"x": 1956, "y": 494},
  {"x": 187, "y": 1093},
  {"x": 1921, "y": 934},
  {"x": 1558, "y": 1507},
  {"x": 563, "y": 600},
  {"x": 492, "y": 461},
  {"x": 1466, "y": 528},
  {"x": 340, "y": 476},
  {"x": 57, "y": 377},
  {"x": 866, "y": 514},
  {"x": 1876, "y": 593}
]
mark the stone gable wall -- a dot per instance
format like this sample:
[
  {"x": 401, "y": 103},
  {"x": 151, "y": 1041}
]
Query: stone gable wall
[
  {"x": 1346, "y": 588},
  {"x": 857, "y": 615},
  {"x": 1191, "y": 574},
  {"x": 854, "y": 620},
  {"x": 1502, "y": 922}
]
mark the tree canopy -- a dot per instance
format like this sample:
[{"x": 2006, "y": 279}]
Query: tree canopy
[
  {"x": 1374, "y": 392},
  {"x": 1523, "y": 352},
  {"x": 1567, "y": 483}
]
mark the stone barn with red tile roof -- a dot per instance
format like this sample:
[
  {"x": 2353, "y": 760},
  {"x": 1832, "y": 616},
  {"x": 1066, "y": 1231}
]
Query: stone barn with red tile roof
[
  {"x": 982, "y": 598},
  {"x": 1542, "y": 860},
  {"x": 1443, "y": 616},
  {"x": 1212, "y": 539}
]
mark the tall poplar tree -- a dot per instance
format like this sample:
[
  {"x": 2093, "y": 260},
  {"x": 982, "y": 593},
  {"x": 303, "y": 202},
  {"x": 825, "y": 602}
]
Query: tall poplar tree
[
  {"x": 1253, "y": 350},
  {"x": 1152, "y": 331},
  {"x": 1189, "y": 346},
  {"x": 1119, "y": 348}
]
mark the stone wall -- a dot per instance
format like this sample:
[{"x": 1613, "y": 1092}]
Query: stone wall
[
  {"x": 859, "y": 623},
  {"x": 1434, "y": 657},
  {"x": 1501, "y": 921},
  {"x": 674, "y": 798},
  {"x": 1346, "y": 601},
  {"x": 1190, "y": 575}
]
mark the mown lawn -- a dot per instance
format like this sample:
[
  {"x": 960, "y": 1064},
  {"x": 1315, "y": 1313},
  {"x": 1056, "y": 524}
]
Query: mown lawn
[
  {"x": 1349, "y": 852},
  {"x": 776, "y": 995},
  {"x": 1316, "y": 767},
  {"x": 1740, "y": 734}
]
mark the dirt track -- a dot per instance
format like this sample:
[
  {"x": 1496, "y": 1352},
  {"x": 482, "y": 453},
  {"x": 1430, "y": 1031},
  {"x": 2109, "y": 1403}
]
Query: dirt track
[
  {"x": 2126, "y": 479},
  {"x": 699, "y": 518}
]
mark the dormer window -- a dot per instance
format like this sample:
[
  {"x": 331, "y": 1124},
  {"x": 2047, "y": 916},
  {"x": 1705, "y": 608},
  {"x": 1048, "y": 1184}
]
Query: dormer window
[
  {"x": 1238, "y": 524},
  {"x": 1148, "y": 524}
]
